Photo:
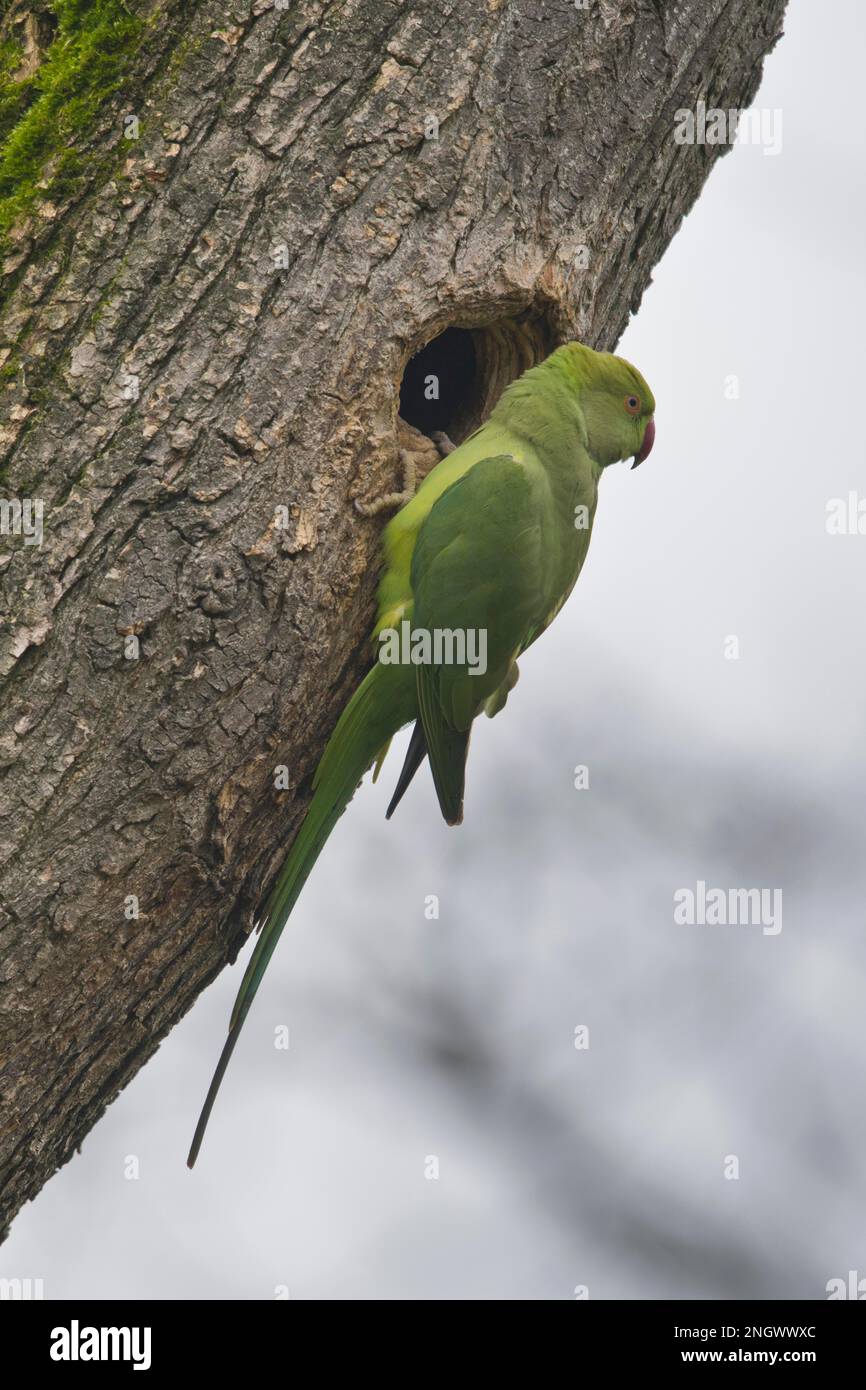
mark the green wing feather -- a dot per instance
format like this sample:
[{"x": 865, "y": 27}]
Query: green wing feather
[
  {"x": 446, "y": 749},
  {"x": 477, "y": 565}
]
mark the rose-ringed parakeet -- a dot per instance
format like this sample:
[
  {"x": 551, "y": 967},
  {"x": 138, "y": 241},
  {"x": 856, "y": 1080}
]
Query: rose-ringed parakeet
[{"x": 491, "y": 544}]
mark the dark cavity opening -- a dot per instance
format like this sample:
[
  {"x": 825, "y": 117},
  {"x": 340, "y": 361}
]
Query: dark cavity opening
[
  {"x": 453, "y": 383},
  {"x": 438, "y": 386}
]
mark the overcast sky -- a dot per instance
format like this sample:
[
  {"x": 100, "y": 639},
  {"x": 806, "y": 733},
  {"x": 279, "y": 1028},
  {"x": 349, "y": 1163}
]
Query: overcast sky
[{"x": 611, "y": 1166}]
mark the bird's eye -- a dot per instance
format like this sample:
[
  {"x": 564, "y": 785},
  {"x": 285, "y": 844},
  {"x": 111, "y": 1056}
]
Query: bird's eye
[{"x": 632, "y": 405}]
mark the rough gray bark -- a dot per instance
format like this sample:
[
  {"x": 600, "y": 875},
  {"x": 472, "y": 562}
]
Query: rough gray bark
[{"x": 263, "y": 387}]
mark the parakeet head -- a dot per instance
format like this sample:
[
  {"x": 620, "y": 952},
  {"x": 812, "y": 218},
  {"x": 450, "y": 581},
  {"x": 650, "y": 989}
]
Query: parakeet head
[{"x": 617, "y": 405}]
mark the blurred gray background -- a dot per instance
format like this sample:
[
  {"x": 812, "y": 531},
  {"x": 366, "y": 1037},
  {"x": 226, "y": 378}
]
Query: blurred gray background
[{"x": 454, "y": 1038}]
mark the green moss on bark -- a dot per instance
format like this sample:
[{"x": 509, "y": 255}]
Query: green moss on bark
[{"x": 46, "y": 117}]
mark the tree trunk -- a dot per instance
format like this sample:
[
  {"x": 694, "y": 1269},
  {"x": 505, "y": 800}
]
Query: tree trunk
[{"x": 207, "y": 330}]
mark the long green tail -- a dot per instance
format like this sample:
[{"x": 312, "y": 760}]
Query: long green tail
[{"x": 382, "y": 704}]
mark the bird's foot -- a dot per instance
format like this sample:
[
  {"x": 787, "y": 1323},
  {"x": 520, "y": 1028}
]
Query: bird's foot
[
  {"x": 418, "y": 455},
  {"x": 390, "y": 501},
  {"x": 443, "y": 443}
]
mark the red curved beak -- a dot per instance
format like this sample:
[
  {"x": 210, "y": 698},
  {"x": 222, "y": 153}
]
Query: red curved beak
[{"x": 649, "y": 439}]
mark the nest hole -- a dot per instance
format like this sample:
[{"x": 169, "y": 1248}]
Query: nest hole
[{"x": 454, "y": 381}]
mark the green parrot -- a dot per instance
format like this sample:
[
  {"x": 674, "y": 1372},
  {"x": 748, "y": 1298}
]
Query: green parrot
[{"x": 488, "y": 549}]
